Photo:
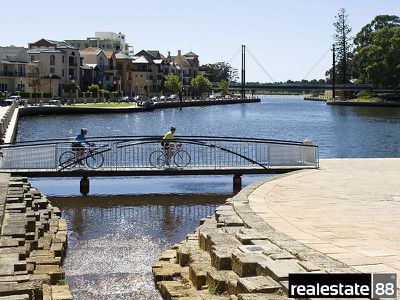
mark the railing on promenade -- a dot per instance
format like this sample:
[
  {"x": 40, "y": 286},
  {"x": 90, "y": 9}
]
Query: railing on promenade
[{"x": 124, "y": 153}]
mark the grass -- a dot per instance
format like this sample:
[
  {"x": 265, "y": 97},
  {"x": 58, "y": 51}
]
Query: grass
[
  {"x": 104, "y": 105},
  {"x": 367, "y": 99}
]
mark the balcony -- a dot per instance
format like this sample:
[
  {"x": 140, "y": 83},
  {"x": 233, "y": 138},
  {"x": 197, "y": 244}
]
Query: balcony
[{"x": 12, "y": 74}]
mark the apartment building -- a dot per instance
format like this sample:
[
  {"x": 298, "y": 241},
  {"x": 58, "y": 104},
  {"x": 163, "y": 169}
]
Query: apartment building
[
  {"x": 57, "y": 61},
  {"x": 15, "y": 69},
  {"x": 109, "y": 41}
]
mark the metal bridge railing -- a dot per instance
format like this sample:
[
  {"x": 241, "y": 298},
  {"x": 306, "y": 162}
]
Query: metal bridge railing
[{"x": 138, "y": 153}]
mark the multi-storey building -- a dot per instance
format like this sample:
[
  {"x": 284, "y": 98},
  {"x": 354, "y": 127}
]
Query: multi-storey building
[
  {"x": 57, "y": 61},
  {"x": 104, "y": 65},
  {"x": 15, "y": 69},
  {"x": 104, "y": 40}
]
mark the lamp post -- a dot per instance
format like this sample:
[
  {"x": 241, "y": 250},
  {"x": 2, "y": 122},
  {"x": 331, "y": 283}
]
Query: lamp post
[{"x": 51, "y": 90}]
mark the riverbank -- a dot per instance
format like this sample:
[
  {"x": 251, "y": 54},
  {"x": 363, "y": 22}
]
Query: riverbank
[
  {"x": 363, "y": 103},
  {"x": 340, "y": 218},
  {"x": 91, "y": 109},
  {"x": 33, "y": 242}
]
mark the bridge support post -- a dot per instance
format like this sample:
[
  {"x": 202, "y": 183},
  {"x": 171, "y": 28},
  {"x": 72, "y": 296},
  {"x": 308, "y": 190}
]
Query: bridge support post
[
  {"x": 84, "y": 186},
  {"x": 237, "y": 183}
]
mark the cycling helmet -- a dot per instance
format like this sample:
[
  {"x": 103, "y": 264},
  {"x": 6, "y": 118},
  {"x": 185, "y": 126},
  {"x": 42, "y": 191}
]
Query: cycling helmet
[
  {"x": 83, "y": 130},
  {"x": 173, "y": 128}
]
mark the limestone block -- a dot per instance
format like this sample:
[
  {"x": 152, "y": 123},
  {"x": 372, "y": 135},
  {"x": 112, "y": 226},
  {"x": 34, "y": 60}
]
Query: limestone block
[
  {"x": 19, "y": 278},
  {"x": 199, "y": 256},
  {"x": 168, "y": 255},
  {"x": 197, "y": 274},
  {"x": 218, "y": 280},
  {"x": 278, "y": 269},
  {"x": 61, "y": 236},
  {"x": 62, "y": 225},
  {"x": 56, "y": 272},
  {"x": 58, "y": 249},
  {"x": 221, "y": 257},
  {"x": 164, "y": 271},
  {"x": 47, "y": 292},
  {"x": 259, "y": 296},
  {"x": 309, "y": 266},
  {"x": 257, "y": 284},
  {"x": 268, "y": 247},
  {"x": 247, "y": 234},
  {"x": 61, "y": 292},
  {"x": 245, "y": 264},
  {"x": 15, "y": 297},
  {"x": 176, "y": 290}
]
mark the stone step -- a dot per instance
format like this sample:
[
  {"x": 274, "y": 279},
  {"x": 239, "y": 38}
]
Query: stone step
[
  {"x": 61, "y": 292},
  {"x": 257, "y": 284},
  {"x": 56, "y": 272},
  {"x": 176, "y": 290},
  {"x": 221, "y": 257},
  {"x": 278, "y": 269},
  {"x": 16, "y": 297},
  {"x": 245, "y": 264},
  {"x": 165, "y": 271},
  {"x": 259, "y": 296},
  {"x": 197, "y": 274},
  {"x": 33, "y": 289},
  {"x": 217, "y": 281}
]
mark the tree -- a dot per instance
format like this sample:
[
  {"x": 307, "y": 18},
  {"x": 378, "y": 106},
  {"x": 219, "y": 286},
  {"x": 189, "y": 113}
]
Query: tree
[
  {"x": 362, "y": 55},
  {"x": 343, "y": 45},
  {"x": 201, "y": 84},
  {"x": 366, "y": 34},
  {"x": 223, "y": 85},
  {"x": 173, "y": 83},
  {"x": 219, "y": 71},
  {"x": 36, "y": 82},
  {"x": 94, "y": 89},
  {"x": 379, "y": 62}
]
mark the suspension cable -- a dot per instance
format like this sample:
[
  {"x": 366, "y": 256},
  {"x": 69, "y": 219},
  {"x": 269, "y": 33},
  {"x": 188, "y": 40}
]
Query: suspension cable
[
  {"x": 317, "y": 63},
  {"x": 262, "y": 68}
]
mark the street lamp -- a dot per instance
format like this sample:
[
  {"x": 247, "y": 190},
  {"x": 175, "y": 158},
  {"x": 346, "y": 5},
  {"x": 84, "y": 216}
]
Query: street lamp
[{"x": 51, "y": 91}]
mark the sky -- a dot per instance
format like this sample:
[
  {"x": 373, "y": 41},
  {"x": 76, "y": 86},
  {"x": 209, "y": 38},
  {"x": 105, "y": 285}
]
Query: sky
[{"x": 289, "y": 39}]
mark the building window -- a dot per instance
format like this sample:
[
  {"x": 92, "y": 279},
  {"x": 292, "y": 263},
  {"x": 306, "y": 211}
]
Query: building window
[
  {"x": 52, "y": 71},
  {"x": 62, "y": 72},
  {"x": 52, "y": 60},
  {"x": 63, "y": 59},
  {"x": 32, "y": 58}
]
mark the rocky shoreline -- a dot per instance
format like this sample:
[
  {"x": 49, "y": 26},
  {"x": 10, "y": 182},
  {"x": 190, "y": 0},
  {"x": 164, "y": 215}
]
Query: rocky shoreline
[
  {"x": 32, "y": 243},
  {"x": 234, "y": 254}
]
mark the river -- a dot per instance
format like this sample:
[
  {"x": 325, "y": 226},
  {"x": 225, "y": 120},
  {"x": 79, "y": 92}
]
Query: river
[{"x": 125, "y": 223}]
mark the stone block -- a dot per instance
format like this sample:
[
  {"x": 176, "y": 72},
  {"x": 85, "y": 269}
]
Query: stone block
[
  {"x": 260, "y": 296},
  {"x": 245, "y": 264},
  {"x": 247, "y": 234},
  {"x": 56, "y": 211},
  {"x": 33, "y": 289},
  {"x": 221, "y": 257},
  {"x": 197, "y": 274},
  {"x": 18, "y": 278},
  {"x": 16, "y": 297},
  {"x": 309, "y": 266},
  {"x": 283, "y": 254},
  {"x": 44, "y": 260},
  {"x": 168, "y": 255},
  {"x": 47, "y": 292},
  {"x": 217, "y": 281},
  {"x": 221, "y": 239},
  {"x": 183, "y": 255},
  {"x": 278, "y": 269},
  {"x": 199, "y": 256},
  {"x": 257, "y": 284},
  {"x": 61, "y": 236},
  {"x": 58, "y": 249},
  {"x": 56, "y": 272},
  {"x": 61, "y": 292},
  {"x": 16, "y": 207},
  {"x": 176, "y": 290},
  {"x": 62, "y": 225},
  {"x": 268, "y": 247},
  {"x": 164, "y": 271}
]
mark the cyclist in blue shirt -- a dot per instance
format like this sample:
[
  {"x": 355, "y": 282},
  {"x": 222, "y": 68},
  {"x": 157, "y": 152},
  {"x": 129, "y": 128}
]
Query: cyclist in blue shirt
[{"x": 78, "y": 146}]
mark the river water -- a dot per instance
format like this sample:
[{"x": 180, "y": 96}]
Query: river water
[{"x": 125, "y": 223}]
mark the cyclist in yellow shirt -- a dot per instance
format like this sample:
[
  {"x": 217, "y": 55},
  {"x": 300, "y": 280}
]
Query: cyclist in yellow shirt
[{"x": 166, "y": 143}]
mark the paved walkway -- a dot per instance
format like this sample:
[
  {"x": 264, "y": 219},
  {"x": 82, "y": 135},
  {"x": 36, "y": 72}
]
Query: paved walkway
[{"x": 349, "y": 209}]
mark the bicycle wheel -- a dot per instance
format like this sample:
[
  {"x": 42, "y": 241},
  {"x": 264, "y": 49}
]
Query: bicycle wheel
[
  {"x": 67, "y": 160},
  {"x": 157, "y": 159},
  {"x": 182, "y": 158},
  {"x": 95, "y": 160}
]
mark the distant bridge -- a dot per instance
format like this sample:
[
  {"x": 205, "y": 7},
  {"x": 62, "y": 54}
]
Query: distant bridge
[{"x": 301, "y": 87}]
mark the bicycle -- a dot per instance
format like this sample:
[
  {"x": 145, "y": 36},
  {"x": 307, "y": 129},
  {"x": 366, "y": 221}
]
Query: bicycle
[
  {"x": 180, "y": 157},
  {"x": 93, "y": 159}
]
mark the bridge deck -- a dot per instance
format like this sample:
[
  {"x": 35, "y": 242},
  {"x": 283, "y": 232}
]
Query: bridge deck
[{"x": 105, "y": 172}]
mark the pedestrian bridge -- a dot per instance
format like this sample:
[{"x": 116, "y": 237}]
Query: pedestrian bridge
[{"x": 144, "y": 156}]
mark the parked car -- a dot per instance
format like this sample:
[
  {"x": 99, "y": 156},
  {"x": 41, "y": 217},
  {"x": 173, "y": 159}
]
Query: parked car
[
  {"x": 57, "y": 100},
  {"x": 137, "y": 98},
  {"x": 173, "y": 97},
  {"x": 154, "y": 99},
  {"x": 212, "y": 97},
  {"x": 7, "y": 102},
  {"x": 163, "y": 98},
  {"x": 228, "y": 97},
  {"x": 125, "y": 99}
]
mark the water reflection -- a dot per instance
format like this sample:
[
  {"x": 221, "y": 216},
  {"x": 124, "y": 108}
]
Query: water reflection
[{"x": 113, "y": 240}]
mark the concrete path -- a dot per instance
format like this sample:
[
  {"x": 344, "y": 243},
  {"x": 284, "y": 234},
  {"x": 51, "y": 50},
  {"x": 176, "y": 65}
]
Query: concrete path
[{"x": 349, "y": 210}]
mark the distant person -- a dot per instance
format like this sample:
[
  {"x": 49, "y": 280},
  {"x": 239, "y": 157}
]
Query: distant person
[
  {"x": 166, "y": 143},
  {"x": 78, "y": 146}
]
